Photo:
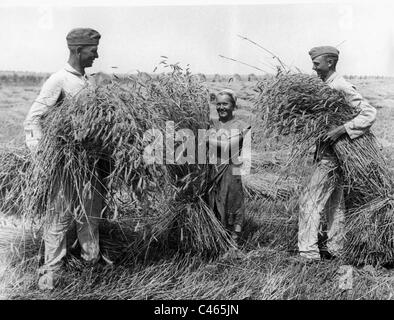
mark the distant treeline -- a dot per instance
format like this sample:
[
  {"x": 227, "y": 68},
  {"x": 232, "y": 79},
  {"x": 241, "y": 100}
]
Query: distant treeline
[
  {"x": 365, "y": 77},
  {"x": 37, "y": 78},
  {"x": 22, "y": 78}
]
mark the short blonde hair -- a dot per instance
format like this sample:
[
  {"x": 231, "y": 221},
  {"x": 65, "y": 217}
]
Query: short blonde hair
[{"x": 230, "y": 93}]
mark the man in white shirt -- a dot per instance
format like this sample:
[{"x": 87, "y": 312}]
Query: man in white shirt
[
  {"x": 324, "y": 192},
  {"x": 69, "y": 81}
]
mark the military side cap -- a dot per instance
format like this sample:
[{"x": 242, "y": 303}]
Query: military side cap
[
  {"x": 83, "y": 37},
  {"x": 318, "y": 51}
]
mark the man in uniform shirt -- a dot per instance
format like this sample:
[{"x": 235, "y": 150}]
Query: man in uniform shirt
[
  {"x": 69, "y": 81},
  {"x": 324, "y": 192}
]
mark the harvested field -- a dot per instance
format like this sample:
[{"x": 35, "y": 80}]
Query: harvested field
[{"x": 264, "y": 268}]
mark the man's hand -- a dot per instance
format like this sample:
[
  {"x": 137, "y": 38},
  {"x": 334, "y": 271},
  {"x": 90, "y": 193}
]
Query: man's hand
[
  {"x": 32, "y": 144},
  {"x": 333, "y": 135}
]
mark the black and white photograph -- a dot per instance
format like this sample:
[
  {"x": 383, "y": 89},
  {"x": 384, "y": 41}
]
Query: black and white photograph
[{"x": 204, "y": 151}]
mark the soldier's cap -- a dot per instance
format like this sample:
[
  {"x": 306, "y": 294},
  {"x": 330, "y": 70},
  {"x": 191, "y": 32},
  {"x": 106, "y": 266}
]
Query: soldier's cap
[
  {"x": 83, "y": 37},
  {"x": 318, "y": 51}
]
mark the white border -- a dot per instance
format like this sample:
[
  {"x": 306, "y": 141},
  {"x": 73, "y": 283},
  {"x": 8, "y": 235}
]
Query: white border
[{"x": 130, "y": 3}]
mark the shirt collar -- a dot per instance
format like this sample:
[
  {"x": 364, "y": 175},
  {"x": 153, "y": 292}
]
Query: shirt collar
[
  {"x": 70, "y": 69},
  {"x": 332, "y": 77}
]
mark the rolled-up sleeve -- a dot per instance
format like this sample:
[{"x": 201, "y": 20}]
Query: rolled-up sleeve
[{"x": 364, "y": 120}]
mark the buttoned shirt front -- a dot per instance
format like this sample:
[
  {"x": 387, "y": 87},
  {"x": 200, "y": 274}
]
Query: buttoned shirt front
[
  {"x": 65, "y": 82},
  {"x": 364, "y": 120}
]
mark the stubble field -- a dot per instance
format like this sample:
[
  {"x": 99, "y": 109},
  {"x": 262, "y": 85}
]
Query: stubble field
[{"x": 265, "y": 266}]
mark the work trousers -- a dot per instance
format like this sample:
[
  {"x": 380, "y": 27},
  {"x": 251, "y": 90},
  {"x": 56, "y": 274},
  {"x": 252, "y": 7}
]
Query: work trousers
[
  {"x": 66, "y": 208},
  {"x": 323, "y": 195}
]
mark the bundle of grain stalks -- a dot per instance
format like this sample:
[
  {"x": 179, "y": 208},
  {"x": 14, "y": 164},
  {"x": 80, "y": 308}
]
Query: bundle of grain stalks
[
  {"x": 92, "y": 141},
  {"x": 268, "y": 185},
  {"x": 305, "y": 109},
  {"x": 19, "y": 242},
  {"x": 186, "y": 222},
  {"x": 14, "y": 166},
  {"x": 97, "y": 141}
]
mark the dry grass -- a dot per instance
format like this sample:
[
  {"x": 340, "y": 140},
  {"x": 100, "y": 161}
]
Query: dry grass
[
  {"x": 267, "y": 185},
  {"x": 305, "y": 109},
  {"x": 259, "y": 273},
  {"x": 14, "y": 166},
  {"x": 263, "y": 270},
  {"x": 96, "y": 142}
]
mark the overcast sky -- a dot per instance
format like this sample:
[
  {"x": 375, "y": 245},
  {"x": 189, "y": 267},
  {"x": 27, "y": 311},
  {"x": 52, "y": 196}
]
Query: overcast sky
[{"x": 134, "y": 37}]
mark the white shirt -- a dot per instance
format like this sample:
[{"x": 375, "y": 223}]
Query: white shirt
[
  {"x": 65, "y": 82},
  {"x": 364, "y": 120}
]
